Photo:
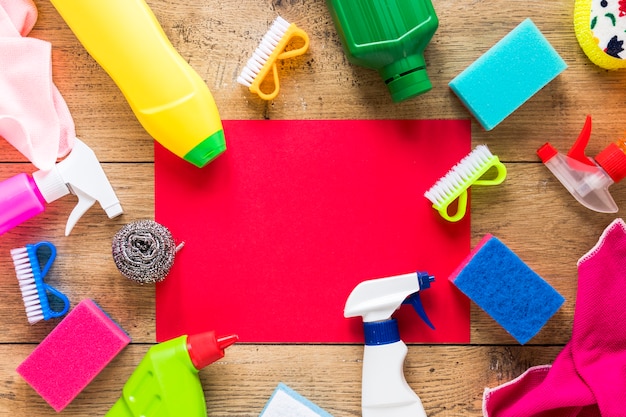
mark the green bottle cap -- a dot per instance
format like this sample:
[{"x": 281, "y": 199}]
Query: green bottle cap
[
  {"x": 406, "y": 77},
  {"x": 207, "y": 150},
  {"x": 409, "y": 85}
]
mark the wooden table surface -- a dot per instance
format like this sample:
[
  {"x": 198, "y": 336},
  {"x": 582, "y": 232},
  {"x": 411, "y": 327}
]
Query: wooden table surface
[{"x": 531, "y": 212}]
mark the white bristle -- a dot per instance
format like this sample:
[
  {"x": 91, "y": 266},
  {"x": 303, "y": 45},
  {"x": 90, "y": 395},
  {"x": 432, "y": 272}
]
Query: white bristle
[
  {"x": 34, "y": 317},
  {"x": 30, "y": 297},
  {"x": 262, "y": 53},
  {"x": 28, "y": 287},
  {"x": 26, "y": 282},
  {"x": 459, "y": 175}
]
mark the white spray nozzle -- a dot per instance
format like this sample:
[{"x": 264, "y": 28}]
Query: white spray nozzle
[
  {"x": 378, "y": 299},
  {"x": 81, "y": 174}
]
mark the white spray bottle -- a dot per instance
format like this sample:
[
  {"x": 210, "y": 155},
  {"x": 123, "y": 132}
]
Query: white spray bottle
[
  {"x": 80, "y": 173},
  {"x": 385, "y": 392}
]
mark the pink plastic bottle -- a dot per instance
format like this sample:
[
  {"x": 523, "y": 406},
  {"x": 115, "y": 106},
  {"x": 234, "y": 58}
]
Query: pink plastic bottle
[{"x": 20, "y": 199}]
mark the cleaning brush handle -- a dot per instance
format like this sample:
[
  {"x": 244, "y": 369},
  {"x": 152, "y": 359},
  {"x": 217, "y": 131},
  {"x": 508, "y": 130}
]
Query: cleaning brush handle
[
  {"x": 41, "y": 251},
  {"x": 293, "y": 32},
  {"x": 461, "y": 208},
  {"x": 498, "y": 179},
  {"x": 49, "y": 311},
  {"x": 37, "y": 252},
  {"x": 271, "y": 95},
  {"x": 461, "y": 198}
]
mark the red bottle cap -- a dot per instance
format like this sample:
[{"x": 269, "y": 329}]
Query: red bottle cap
[
  {"x": 205, "y": 348},
  {"x": 613, "y": 160},
  {"x": 546, "y": 152}
]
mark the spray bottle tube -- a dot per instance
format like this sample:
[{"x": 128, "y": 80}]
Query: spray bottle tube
[
  {"x": 385, "y": 392},
  {"x": 166, "y": 381},
  {"x": 80, "y": 173},
  {"x": 168, "y": 97}
]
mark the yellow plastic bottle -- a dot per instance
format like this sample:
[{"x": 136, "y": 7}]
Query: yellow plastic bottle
[{"x": 169, "y": 98}]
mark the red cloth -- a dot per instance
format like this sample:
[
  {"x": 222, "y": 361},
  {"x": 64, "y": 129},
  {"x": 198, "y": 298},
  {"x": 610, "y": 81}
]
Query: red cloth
[
  {"x": 280, "y": 229},
  {"x": 588, "y": 378}
]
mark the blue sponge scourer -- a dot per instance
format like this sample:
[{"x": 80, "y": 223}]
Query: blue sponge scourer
[
  {"x": 508, "y": 74},
  {"x": 500, "y": 283}
]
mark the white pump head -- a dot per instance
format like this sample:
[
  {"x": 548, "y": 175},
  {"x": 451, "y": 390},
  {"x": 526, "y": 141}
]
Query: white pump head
[
  {"x": 378, "y": 299},
  {"x": 81, "y": 174}
]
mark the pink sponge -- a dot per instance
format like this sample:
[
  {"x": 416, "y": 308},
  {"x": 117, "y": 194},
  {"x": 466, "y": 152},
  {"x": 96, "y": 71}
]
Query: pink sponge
[{"x": 73, "y": 354}]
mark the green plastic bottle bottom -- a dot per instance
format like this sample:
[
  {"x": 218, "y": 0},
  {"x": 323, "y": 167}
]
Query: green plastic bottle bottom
[
  {"x": 409, "y": 85},
  {"x": 207, "y": 150}
]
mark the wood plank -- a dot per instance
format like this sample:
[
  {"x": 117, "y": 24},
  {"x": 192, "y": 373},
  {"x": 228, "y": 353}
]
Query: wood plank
[
  {"x": 449, "y": 379},
  {"x": 547, "y": 246},
  {"x": 323, "y": 85},
  {"x": 84, "y": 266},
  {"x": 531, "y": 212}
]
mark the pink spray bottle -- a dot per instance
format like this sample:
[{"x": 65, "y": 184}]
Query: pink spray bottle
[{"x": 80, "y": 173}]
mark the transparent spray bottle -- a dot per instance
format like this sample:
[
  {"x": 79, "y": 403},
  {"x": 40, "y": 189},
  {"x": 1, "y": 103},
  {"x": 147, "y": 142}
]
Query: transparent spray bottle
[
  {"x": 385, "y": 392},
  {"x": 588, "y": 179}
]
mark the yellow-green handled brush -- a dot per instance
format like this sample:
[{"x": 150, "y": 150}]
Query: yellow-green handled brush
[{"x": 469, "y": 171}]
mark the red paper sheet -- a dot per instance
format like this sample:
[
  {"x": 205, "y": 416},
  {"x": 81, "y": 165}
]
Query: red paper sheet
[{"x": 280, "y": 228}]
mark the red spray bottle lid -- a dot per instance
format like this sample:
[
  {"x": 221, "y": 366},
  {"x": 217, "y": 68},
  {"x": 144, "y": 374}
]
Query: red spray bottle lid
[
  {"x": 613, "y": 160},
  {"x": 206, "y": 348}
]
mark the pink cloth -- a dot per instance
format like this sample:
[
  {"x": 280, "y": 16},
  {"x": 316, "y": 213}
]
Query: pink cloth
[
  {"x": 588, "y": 378},
  {"x": 34, "y": 117}
]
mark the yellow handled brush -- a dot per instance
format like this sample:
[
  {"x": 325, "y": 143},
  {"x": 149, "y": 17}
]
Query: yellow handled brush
[
  {"x": 272, "y": 48},
  {"x": 469, "y": 171}
]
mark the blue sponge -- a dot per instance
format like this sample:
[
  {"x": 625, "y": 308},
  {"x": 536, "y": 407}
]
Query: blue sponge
[
  {"x": 509, "y": 291},
  {"x": 508, "y": 74}
]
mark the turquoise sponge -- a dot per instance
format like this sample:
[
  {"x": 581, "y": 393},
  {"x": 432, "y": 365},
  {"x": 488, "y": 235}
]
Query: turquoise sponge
[
  {"x": 500, "y": 283},
  {"x": 508, "y": 74}
]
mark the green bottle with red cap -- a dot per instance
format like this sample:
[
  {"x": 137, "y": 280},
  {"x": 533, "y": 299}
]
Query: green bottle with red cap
[{"x": 166, "y": 381}]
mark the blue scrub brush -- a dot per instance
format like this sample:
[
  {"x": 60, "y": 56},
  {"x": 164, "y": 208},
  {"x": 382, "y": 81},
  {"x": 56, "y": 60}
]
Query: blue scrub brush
[{"x": 41, "y": 300}]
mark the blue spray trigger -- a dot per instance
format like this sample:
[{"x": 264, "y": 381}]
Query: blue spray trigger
[
  {"x": 414, "y": 300},
  {"x": 424, "y": 280}
]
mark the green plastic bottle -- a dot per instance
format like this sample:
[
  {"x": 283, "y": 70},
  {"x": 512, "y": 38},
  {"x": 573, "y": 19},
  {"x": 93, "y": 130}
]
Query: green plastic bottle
[
  {"x": 166, "y": 381},
  {"x": 389, "y": 36}
]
